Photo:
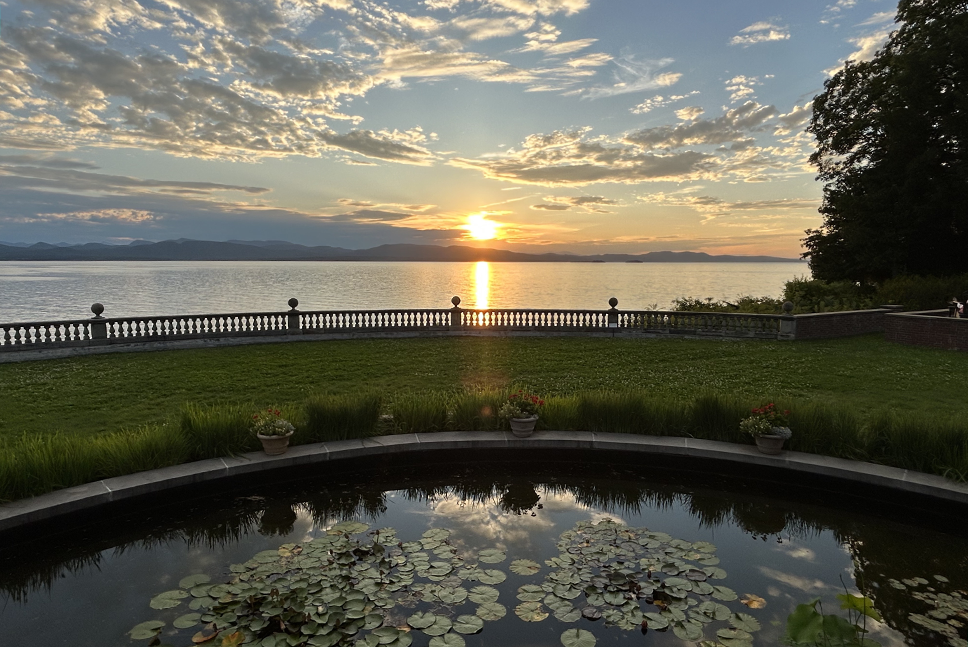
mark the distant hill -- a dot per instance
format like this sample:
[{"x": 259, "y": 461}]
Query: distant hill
[{"x": 277, "y": 250}]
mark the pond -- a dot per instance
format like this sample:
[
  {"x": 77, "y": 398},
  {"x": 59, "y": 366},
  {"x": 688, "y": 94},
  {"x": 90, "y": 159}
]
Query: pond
[{"x": 444, "y": 554}]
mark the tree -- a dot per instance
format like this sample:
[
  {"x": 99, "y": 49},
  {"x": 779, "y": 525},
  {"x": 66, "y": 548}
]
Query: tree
[{"x": 891, "y": 149}]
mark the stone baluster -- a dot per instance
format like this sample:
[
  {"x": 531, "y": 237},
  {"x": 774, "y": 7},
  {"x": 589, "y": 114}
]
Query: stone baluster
[
  {"x": 293, "y": 326},
  {"x": 455, "y": 323},
  {"x": 788, "y": 323},
  {"x": 99, "y": 328},
  {"x": 612, "y": 313}
]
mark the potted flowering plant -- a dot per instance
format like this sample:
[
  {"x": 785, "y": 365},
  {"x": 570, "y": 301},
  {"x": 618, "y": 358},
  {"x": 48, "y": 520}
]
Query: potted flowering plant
[
  {"x": 272, "y": 430},
  {"x": 769, "y": 427},
  {"x": 521, "y": 411}
]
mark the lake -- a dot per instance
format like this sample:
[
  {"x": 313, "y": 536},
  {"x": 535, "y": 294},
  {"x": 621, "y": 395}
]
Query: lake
[{"x": 33, "y": 291}]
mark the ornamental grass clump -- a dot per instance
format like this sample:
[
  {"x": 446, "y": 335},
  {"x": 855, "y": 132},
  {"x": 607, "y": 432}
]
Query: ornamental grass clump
[
  {"x": 222, "y": 430},
  {"x": 341, "y": 417},
  {"x": 477, "y": 411},
  {"x": 423, "y": 412}
]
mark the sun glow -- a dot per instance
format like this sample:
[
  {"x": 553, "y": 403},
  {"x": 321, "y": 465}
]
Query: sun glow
[
  {"x": 479, "y": 227},
  {"x": 482, "y": 279}
]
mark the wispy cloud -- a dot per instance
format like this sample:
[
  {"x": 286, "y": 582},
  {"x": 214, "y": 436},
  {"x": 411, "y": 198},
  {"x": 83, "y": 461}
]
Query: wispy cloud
[
  {"x": 659, "y": 101},
  {"x": 632, "y": 75},
  {"x": 760, "y": 32}
]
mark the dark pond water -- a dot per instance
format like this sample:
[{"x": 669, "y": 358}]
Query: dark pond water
[{"x": 492, "y": 554}]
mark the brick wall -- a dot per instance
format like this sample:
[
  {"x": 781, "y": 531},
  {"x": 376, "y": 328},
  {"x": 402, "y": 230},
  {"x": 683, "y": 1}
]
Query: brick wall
[
  {"x": 827, "y": 325},
  {"x": 917, "y": 329}
]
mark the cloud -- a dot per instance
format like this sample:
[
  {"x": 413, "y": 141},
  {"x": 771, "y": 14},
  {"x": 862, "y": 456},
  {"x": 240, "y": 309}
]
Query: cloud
[
  {"x": 588, "y": 203},
  {"x": 760, "y": 32},
  {"x": 794, "y": 120},
  {"x": 631, "y": 75},
  {"x": 734, "y": 126},
  {"x": 487, "y": 28},
  {"x": 101, "y": 216},
  {"x": 868, "y": 44},
  {"x": 570, "y": 158},
  {"x": 689, "y": 114},
  {"x": 741, "y": 87},
  {"x": 659, "y": 101},
  {"x": 47, "y": 161},
  {"x": 551, "y": 207},
  {"x": 539, "y": 7},
  {"x": 879, "y": 18}
]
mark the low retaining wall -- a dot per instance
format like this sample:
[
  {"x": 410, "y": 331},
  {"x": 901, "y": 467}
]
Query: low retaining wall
[
  {"x": 931, "y": 329},
  {"x": 73, "y": 500},
  {"x": 828, "y": 325}
]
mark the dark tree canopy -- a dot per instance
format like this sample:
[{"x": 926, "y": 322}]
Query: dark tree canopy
[{"x": 892, "y": 135}]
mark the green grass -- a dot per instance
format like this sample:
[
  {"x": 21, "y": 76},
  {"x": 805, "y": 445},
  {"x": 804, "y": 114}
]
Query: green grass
[
  {"x": 64, "y": 422},
  {"x": 105, "y": 393}
]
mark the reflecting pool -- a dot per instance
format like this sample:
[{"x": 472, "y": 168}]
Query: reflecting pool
[{"x": 492, "y": 554}]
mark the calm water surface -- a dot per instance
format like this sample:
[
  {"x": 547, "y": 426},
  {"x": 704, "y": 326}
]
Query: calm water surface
[
  {"x": 31, "y": 291},
  {"x": 90, "y": 585}
]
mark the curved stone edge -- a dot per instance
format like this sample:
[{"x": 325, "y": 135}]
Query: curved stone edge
[{"x": 83, "y": 497}]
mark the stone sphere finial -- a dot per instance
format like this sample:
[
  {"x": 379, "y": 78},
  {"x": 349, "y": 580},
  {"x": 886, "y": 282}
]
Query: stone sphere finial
[
  {"x": 293, "y": 302},
  {"x": 613, "y": 302},
  {"x": 788, "y": 307},
  {"x": 97, "y": 309},
  {"x": 455, "y": 301}
]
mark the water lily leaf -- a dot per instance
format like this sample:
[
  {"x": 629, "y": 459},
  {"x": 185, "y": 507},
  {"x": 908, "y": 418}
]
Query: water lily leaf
[
  {"x": 530, "y": 593},
  {"x": 714, "y": 572},
  {"x": 492, "y": 556},
  {"x": 745, "y": 622},
  {"x": 421, "y": 620},
  {"x": 941, "y": 578},
  {"x": 491, "y": 611},
  {"x": 656, "y": 621},
  {"x": 168, "y": 599},
  {"x": 233, "y": 639},
  {"x": 591, "y": 613},
  {"x": 567, "y": 614},
  {"x": 448, "y": 640},
  {"x": 207, "y": 633},
  {"x": 614, "y": 597},
  {"x": 578, "y": 638},
  {"x": 859, "y": 603},
  {"x": 734, "y": 638},
  {"x": 704, "y": 547},
  {"x": 192, "y": 581},
  {"x": 403, "y": 640},
  {"x": 349, "y": 528},
  {"x": 187, "y": 621},
  {"x": 439, "y": 534},
  {"x": 525, "y": 567},
  {"x": 386, "y": 635},
  {"x": 452, "y": 595},
  {"x": 483, "y": 594},
  {"x": 327, "y": 640},
  {"x": 372, "y": 620},
  {"x": 687, "y": 631},
  {"x": 492, "y": 576},
  {"x": 442, "y": 625},
  {"x": 724, "y": 593},
  {"x": 146, "y": 630},
  {"x": 754, "y": 601},
  {"x": 468, "y": 624},
  {"x": 531, "y": 611}
]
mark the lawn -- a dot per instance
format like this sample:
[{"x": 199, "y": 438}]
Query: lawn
[{"x": 105, "y": 393}]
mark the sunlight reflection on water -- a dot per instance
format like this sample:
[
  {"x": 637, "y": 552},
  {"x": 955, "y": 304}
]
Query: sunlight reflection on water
[{"x": 30, "y": 291}]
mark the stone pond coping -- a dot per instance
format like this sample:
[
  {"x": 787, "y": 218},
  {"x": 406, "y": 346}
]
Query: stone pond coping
[{"x": 84, "y": 497}]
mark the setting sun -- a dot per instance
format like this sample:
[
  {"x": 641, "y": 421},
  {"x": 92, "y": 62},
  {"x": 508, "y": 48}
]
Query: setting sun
[{"x": 480, "y": 228}]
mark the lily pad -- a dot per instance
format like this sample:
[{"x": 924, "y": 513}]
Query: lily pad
[
  {"x": 525, "y": 567},
  {"x": 531, "y": 611},
  {"x": 187, "y": 621},
  {"x": 578, "y": 638},
  {"x": 349, "y": 528},
  {"x": 441, "y": 625},
  {"x": 483, "y": 594},
  {"x": 146, "y": 630},
  {"x": 724, "y": 593},
  {"x": 492, "y": 556},
  {"x": 530, "y": 593},
  {"x": 491, "y": 611},
  {"x": 745, "y": 622},
  {"x": 591, "y": 613},
  {"x": 421, "y": 620},
  {"x": 168, "y": 599},
  {"x": 192, "y": 581},
  {"x": 492, "y": 576},
  {"x": 687, "y": 631},
  {"x": 468, "y": 624}
]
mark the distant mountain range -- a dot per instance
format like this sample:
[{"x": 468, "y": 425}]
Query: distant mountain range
[{"x": 277, "y": 250}]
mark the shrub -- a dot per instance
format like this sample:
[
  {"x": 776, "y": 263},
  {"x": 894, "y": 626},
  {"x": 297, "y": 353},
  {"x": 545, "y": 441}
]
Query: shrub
[
  {"x": 923, "y": 292},
  {"x": 340, "y": 417}
]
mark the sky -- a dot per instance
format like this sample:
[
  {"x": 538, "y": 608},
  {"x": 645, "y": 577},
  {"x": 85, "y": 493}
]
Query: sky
[{"x": 584, "y": 126}]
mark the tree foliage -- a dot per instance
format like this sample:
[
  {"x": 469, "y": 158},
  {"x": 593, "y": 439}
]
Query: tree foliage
[{"x": 892, "y": 135}]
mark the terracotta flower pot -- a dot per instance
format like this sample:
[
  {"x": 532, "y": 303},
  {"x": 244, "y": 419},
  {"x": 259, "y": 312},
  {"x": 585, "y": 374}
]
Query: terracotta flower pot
[
  {"x": 523, "y": 427},
  {"x": 770, "y": 443},
  {"x": 275, "y": 445}
]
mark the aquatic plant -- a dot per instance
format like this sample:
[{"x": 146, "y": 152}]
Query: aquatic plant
[{"x": 342, "y": 588}]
